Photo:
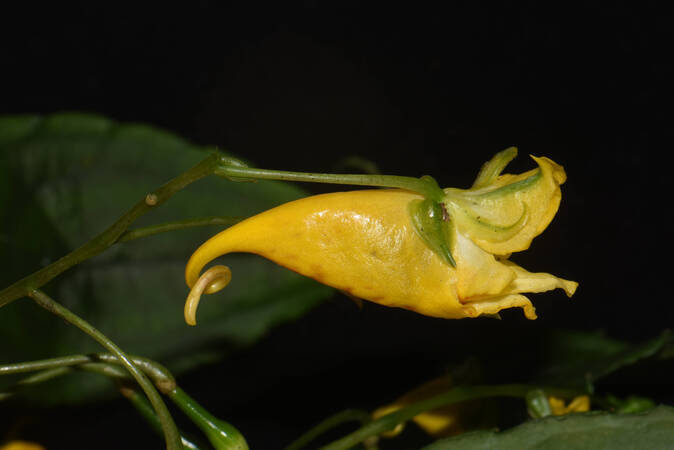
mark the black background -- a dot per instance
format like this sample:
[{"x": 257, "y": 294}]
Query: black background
[{"x": 418, "y": 90}]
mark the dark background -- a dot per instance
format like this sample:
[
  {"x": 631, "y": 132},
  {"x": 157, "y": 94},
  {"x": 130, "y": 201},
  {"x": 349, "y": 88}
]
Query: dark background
[{"x": 417, "y": 90}]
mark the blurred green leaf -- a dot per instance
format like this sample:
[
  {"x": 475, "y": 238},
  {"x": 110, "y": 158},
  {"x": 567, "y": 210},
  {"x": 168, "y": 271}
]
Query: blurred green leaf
[
  {"x": 63, "y": 179},
  {"x": 591, "y": 431},
  {"x": 631, "y": 404},
  {"x": 582, "y": 358}
]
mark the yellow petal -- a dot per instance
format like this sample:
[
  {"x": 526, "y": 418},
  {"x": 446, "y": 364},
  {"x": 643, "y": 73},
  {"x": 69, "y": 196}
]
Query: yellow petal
[
  {"x": 388, "y": 409},
  {"x": 490, "y": 306},
  {"x": 439, "y": 422},
  {"x": 578, "y": 404},
  {"x": 360, "y": 242},
  {"x": 479, "y": 274},
  {"x": 525, "y": 281},
  {"x": 504, "y": 216},
  {"x": 21, "y": 445}
]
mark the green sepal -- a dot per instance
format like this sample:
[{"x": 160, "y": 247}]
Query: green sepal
[
  {"x": 520, "y": 185},
  {"x": 430, "y": 222},
  {"x": 493, "y": 168},
  {"x": 538, "y": 405}
]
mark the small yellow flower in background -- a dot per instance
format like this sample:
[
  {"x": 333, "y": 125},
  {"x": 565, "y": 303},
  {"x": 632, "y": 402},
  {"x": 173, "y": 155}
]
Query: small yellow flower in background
[
  {"x": 21, "y": 445},
  {"x": 578, "y": 404},
  {"x": 368, "y": 244},
  {"x": 440, "y": 422}
]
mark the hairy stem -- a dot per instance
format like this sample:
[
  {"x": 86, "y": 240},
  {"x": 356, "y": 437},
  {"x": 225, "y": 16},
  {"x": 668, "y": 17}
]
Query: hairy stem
[{"x": 171, "y": 434}]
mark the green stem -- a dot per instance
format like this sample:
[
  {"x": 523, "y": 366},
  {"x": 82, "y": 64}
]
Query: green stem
[
  {"x": 349, "y": 415},
  {"x": 170, "y": 431},
  {"x": 456, "y": 395},
  {"x": 159, "y": 375},
  {"x": 43, "y": 364},
  {"x": 55, "y": 367},
  {"x": 110, "y": 370},
  {"x": 177, "y": 225},
  {"x": 110, "y": 236},
  {"x": 424, "y": 185}
]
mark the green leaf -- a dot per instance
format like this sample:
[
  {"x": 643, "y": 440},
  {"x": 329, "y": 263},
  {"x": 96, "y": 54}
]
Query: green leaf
[
  {"x": 65, "y": 178},
  {"x": 631, "y": 404},
  {"x": 590, "y": 431},
  {"x": 582, "y": 358}
]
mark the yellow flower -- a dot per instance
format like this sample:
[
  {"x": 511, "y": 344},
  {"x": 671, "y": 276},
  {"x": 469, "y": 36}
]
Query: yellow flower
[
  {"x": 21, "y": 445},
  {"x": 578, "y": 404},
  {"x": 370, "y": 244},
  {"x": 443, "y": 421}
]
